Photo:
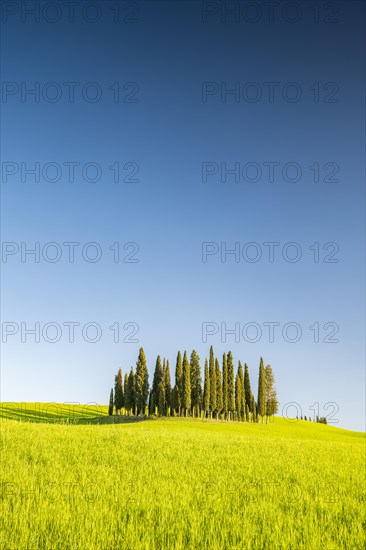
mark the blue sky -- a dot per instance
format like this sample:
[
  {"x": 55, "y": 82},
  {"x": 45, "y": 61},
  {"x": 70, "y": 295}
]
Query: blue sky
[{"x": 162, "y": 61}]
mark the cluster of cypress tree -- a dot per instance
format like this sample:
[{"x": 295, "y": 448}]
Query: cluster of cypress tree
[{"x": 224, "y": 395}]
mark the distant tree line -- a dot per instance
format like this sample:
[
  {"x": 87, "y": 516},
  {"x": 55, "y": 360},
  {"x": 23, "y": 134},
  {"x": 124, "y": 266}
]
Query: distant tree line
[
  {"x": 223, "y": 395},
  {"x": 320, "y": 419}
]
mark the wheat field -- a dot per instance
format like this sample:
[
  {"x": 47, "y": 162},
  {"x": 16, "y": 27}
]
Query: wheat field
[{"x": 78, "y": 480}]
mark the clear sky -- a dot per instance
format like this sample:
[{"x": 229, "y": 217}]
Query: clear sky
[{"x": 177, "y": 94}]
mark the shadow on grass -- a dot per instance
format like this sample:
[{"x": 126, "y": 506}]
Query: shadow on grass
[
  {"x": 115, "y": 419},
  {"x": 82, "y": 415},
  {"x": 50, "y": 413}
]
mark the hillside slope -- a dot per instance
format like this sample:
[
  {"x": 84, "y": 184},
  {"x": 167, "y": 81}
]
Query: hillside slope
[{"x": 180, "y": 484}]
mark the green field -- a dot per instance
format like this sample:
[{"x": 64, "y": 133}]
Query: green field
[{"x": 175, "y": 483}]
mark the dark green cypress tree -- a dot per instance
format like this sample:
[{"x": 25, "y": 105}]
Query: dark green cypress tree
[
  {"x": 175, "y": 400},
  {"x": 178, "y": 388},
  {"x": 252, "y": 403},
  {"x": 161, "y": 398},
  {"x": 125, "y": 388},
  {"x": 186, "y": 384},
  {"x": 158, "y": 377},
  {"x": 224, "y": 387},
  {"x": 142, "y": 383},
  {"x": 168, "y": 388},
  {"x": 212, "y": 373},
  {"x": 196, "y": 383},
  {"x": 150, "y": 403},
  {"x": 211, "y": 362},
  {"x": 261, "y": 403},
  {"x": 110, "y": 407},
  {"x": 118, "y": 391},
  {"x": 230, "y": 384},
  {"x": 247, "y": 413},
  {"x": 237, "y": 397},
  {"x": 271, "y": 393},
  {"x": 206, "y": 390},
  {"x": 247, "y": 388},
  {"x": 219, "y": 398},
  {"x": 242, "y": 399},
  {"x": 130, "y": 398}
]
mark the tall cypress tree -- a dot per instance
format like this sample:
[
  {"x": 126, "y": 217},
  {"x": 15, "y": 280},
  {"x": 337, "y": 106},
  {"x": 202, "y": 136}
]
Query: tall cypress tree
[
  {"x": 168, "y": 387},
  {"x": 186, "y": 403},
  {"x": 252, "y": 403},
  {"x": 212, "y": 373},
  {"x": 150, "y": 402},
  {"x": 196, "y": 383},
  {"x": 206, "y": 390},
  {"x": 224, "y": 386},
  {"x": 261, "y": 404},
  {"x": 142, "y": 383},
  {"x": 125, "y": 387},
  {"x": 240, "y": 405},
  {"x": 110, "y": 407},
  {"x": 219, "y": 398},
  {"x": 230, "y": 384},
  {"x": 161, "y": 398},
  {"x": 158, "y": 377},
  {"x": 271, "y": 393},
  {"x": 175, "y": 400},
  {"x": 178, "y": 388},
  {"x": 118, "y": 391},
  {"x": 247, "y": 388},
  {"x": 238, "y": 395},
  {"x": 130, "y": 398}
]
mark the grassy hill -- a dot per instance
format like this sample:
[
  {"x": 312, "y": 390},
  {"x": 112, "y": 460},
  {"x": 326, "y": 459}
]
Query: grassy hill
[{"x": 176, "y": 483}]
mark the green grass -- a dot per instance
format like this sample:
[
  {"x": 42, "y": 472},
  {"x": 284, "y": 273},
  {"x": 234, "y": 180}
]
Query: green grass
[{"x": 177, "y": 484}]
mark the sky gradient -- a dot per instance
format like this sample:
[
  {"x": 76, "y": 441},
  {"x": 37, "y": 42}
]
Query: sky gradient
[{"x": 176, "y": 93}]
